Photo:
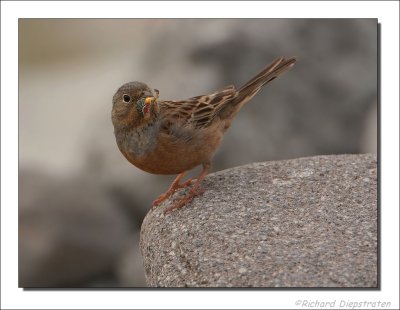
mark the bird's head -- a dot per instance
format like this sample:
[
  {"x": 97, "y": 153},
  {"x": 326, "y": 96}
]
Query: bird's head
[{"x": 134, "y": 104}]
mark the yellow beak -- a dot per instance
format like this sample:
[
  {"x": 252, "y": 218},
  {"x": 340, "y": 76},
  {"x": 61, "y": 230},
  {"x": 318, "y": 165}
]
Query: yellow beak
[
  {"x": 149, "y": 100},
  {"x": 147, "y": 103}
]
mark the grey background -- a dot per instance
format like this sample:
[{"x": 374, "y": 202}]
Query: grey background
[{"x": 81, "y": 203}]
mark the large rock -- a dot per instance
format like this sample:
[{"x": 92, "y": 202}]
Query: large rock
[{"x": 308, "y": 222}]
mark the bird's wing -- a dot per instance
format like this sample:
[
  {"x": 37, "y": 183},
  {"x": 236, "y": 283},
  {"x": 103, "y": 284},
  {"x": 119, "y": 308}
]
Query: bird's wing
[
  {"x": 198, "y": 111},
  {"x": 253, "y": 86}
]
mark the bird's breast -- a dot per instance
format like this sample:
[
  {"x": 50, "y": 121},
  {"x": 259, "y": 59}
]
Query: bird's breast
[{"x": 159, "y": 152}]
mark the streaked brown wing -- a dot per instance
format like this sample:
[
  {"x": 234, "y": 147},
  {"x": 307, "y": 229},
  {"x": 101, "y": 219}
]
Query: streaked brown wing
[{"x": 199, "y": 110}]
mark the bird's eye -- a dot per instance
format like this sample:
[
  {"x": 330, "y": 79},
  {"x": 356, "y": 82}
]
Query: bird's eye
[{"x": 126, "y": 98}]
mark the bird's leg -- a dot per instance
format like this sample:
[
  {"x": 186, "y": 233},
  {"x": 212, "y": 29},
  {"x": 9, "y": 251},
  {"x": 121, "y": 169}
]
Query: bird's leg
[
  {"x": 174, "y": 186},
  {"x": 186, "y": 183},
  {"x": 194, "y": 191}
]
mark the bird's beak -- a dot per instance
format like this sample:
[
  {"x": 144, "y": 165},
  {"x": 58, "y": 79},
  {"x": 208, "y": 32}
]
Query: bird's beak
[
  {"x": 147, "y": 104},
  {"x": 149, "y": 100}
]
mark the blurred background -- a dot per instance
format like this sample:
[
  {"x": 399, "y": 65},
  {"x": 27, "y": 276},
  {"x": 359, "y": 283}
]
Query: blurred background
[{"x": 81, "y": 203}]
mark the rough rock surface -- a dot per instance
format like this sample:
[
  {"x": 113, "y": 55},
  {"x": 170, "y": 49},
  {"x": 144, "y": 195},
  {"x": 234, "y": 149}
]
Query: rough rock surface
[{"x": 308, "y": 222}]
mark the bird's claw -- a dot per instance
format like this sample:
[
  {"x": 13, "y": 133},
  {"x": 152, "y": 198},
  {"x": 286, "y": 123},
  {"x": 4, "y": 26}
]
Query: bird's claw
[{"x": 185, "y": 200}]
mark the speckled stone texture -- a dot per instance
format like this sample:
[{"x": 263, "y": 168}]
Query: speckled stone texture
[{"x": 308, "y": 222}]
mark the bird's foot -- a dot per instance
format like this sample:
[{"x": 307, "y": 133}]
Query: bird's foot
[
  {"x": 160, "y": 199},
  {"x": 185, "y": 200},
  {"x": 174, "y": 186},
  {"x": 194, "y": 191},
  {"x": 186, "y": 184}
]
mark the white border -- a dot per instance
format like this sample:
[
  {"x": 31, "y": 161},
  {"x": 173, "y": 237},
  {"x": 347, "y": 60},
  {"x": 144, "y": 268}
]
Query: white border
[{"x": 14, "y": 298}]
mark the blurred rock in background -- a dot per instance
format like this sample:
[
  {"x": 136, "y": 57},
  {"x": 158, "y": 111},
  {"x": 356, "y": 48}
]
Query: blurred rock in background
[
  {"x": 82, "y": 203},
  {"x": 70, "y": 232}
]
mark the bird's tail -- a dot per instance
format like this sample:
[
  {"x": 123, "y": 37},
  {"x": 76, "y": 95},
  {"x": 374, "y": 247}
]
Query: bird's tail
[{"x": 252, "y": 87}]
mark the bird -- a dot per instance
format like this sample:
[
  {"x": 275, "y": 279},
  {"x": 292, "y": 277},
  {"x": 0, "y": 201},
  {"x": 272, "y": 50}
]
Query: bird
[{"x": 167, "y": 137}]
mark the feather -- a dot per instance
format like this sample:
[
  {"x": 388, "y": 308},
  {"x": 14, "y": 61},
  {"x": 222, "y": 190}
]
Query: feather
[{"x": 201, "y": 111}]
